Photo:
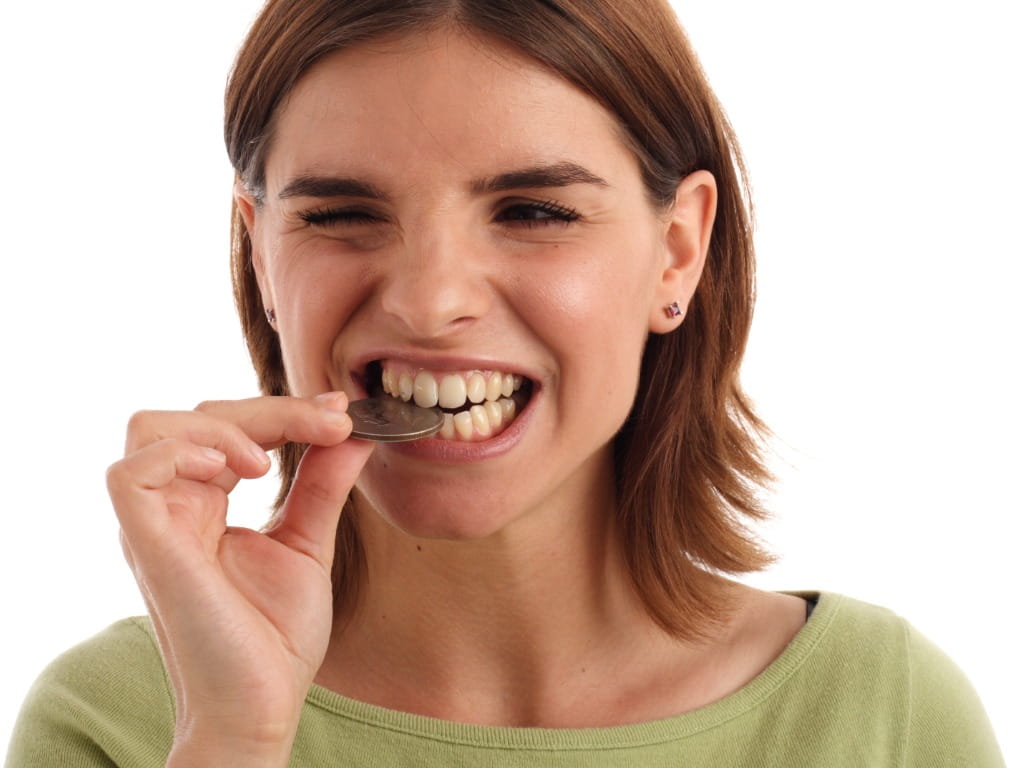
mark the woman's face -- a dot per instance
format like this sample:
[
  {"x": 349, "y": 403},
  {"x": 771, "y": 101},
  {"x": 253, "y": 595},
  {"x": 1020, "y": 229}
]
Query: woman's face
[{"x": 449, "y": 217}]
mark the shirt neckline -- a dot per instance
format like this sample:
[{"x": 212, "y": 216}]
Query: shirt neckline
[{"x": 767, "y": 683}]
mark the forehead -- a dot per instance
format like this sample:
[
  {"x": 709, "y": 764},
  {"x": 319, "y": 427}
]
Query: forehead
[{"x": 441, "y": 98}]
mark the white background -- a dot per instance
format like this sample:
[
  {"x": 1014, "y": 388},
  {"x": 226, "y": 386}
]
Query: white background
[{"x": 884, "y": 144}]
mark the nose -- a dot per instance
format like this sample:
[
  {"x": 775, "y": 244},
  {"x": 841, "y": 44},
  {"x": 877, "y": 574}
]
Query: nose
[{"x": 435, "y": 284}]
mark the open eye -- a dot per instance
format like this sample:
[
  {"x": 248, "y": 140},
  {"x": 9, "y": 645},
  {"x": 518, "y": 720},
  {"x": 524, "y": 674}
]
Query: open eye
[{"x": 531, "y": 214}]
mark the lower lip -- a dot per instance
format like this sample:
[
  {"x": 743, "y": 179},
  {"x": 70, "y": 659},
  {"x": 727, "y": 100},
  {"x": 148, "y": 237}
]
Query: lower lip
[{"x": 456, "y": 451}]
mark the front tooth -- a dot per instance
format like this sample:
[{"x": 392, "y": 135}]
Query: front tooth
[
  {"x": 463, "y": 424},
  {"x": 424, "y": 389},
  {"x": 508, "y": 385},
  {"x": 405, "y": 386},
  {"x": 476, "y": 388},
  {"x": 452, "y": 393},
  {"x": 493, "y": 413},
  {"x": 481, "y": 420},
  {"x": 448, "y": 427},
  {"x": 508, "y": 408},
  {"x": 493, "y": 387}
]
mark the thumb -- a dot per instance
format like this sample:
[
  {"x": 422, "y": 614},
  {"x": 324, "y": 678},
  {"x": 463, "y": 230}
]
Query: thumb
[{"x": 309, "y": 518}]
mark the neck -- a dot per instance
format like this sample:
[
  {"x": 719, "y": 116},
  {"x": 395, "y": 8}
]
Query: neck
[{"x": 518, "y": 627}]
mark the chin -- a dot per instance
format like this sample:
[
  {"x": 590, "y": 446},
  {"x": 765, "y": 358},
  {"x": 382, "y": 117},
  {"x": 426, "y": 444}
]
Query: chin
[{"x": 440, "y": 513}]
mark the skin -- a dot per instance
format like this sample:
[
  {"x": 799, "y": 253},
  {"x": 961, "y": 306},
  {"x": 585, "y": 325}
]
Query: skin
[
  {"x": 438, "y": 270},
  {"x": 436, "y": 279},
  {"x": 240, "y": 648}
]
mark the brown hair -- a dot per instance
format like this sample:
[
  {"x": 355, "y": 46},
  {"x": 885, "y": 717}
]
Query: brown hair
[{"x": 688, "y": 461}]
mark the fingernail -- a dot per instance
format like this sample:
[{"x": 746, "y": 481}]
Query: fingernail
[
  {"x": 214, "y": 456},
  {"x": 336, "y": 418},
  {"x": 334, "y": 402},
  {"x": 256, "y": 452}
]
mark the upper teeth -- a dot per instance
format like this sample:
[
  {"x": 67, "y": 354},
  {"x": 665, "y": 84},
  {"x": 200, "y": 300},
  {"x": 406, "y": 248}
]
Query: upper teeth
[{"x": 449, "y": 390}]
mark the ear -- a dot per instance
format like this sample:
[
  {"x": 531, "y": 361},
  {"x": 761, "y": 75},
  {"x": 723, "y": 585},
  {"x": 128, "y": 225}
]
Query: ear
[
  {"x": 247, "y": 206},
  {"x": 687, "y": 236}
]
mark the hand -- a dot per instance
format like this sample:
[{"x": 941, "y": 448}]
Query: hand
[{"x": 243, "y": 618}]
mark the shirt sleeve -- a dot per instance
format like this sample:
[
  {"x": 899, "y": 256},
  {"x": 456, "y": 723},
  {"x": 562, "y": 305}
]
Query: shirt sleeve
[
  {"x": 104, "y": 703},
  {"x": 948, "y": 727}
]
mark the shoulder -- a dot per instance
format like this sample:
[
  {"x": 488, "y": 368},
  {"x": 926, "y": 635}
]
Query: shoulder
[
  {"x": 905, "y": 685},
  {"x": 105, "y": 700},
  {"x": 948, "y": 719}
]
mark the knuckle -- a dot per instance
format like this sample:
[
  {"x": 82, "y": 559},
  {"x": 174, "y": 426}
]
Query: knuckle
[
  {"x": 140, "y": 422},
  {"x": 207, "y": 406},
  {"x": 116, "y": 476}
]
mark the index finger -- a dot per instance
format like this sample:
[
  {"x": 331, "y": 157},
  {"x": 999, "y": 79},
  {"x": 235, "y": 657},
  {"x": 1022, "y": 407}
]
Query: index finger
[{"x": 272, "y": 421}]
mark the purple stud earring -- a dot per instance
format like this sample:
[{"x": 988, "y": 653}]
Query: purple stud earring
[
  {"x": 271, "y": 316},
  {"x": 673, "y": 310}
]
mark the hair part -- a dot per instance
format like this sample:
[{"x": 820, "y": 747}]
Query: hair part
[{"x": 688, "y": 461}]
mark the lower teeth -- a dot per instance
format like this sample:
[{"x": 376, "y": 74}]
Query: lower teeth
[{"x": 478, "y": 422}]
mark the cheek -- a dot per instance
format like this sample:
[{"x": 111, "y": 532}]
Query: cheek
[
  {"x": 594, "y": 314},
  {"x": 610, "y": 289},
  {"x": 315, "y": 297}
]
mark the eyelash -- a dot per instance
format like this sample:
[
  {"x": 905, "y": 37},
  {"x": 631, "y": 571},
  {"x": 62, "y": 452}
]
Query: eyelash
[
  {"x": 322, "y": 216},
  {"x": 553, "y": 213},
  {"x": 522, "y": 214}
]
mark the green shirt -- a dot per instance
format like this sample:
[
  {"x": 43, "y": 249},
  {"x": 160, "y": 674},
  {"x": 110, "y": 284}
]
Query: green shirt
[{"x": 856, "y": 687}]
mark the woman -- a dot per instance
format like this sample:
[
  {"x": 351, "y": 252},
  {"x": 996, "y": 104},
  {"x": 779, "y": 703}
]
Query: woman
[{"x": 530, "y": 216}]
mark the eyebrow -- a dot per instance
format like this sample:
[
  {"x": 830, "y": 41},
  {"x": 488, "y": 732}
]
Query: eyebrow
[
  {"x": 556, "y": 175},
  {"x": 561, "y": 174},
  {"x": 308, "y": 185}
]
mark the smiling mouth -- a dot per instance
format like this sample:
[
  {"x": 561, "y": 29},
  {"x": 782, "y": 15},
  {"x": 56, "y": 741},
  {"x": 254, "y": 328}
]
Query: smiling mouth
[{"x": 477, "y": 404}]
